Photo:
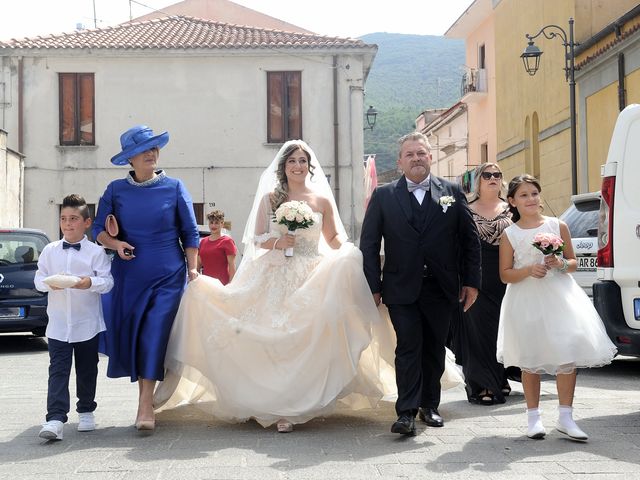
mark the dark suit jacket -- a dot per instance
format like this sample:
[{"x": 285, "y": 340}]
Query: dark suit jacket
[{"x": 448, "y": 243}]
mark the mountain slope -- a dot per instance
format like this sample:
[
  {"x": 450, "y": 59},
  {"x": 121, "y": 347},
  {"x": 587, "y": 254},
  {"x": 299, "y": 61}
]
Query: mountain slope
[{"x": 410, "y": 74}]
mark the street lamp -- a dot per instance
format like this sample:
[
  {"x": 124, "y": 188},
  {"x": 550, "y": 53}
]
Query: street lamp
[
  {"x": 531, "y": 59},
  {"x": 371, "y": 115}
]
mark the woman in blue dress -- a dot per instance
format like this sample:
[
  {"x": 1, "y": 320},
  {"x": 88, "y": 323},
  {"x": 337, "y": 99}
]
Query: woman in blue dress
[{"x": 156, "y": 228}]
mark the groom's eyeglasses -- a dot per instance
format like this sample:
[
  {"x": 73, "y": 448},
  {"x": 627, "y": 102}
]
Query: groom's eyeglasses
[{"x": 488, "y": 175}]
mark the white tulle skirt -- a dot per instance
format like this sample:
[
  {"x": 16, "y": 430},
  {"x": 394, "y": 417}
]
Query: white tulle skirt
[
  {"x": 286, "y": 339},
  {"x": 549, "y": 325}
]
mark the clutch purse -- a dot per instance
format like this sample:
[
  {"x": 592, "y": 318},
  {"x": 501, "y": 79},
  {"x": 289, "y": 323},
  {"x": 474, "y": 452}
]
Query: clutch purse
[{"x": 111, "y": 225}]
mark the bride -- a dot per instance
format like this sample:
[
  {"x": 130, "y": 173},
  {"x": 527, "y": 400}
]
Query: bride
[{"x": 289, "y": 336}]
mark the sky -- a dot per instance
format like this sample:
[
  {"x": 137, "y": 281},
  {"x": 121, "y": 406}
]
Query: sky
[{"x": 343, "y": 18}]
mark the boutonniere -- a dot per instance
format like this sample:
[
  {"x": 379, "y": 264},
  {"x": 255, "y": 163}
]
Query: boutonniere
[{"x": 446, "y": 201}]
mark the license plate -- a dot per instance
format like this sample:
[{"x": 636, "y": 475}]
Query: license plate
[
  {"x": 586, "y": 264},
  {"x": 11, "y": 312}
]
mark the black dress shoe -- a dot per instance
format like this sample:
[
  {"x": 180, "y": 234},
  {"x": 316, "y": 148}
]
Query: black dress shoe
[
  {"x": 431, "y": 417},
  {"x": 406, "y": 425}
]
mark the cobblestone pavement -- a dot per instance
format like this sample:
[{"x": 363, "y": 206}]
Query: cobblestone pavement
[{"x": 476, "y": 442}]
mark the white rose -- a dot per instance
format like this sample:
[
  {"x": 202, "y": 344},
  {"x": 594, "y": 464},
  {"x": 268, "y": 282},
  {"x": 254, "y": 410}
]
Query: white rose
[
  {"x": 299, "y": 218},
  {"x": 290, "y": 216}
]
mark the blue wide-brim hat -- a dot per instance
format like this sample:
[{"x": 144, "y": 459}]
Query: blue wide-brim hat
[{"x": 137, "y": 140}]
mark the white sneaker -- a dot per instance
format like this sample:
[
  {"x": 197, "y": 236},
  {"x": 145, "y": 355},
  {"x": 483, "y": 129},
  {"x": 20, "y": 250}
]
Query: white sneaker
[
  {"x": 52, "y": 430},
  {"x": 86, "y": 422}
]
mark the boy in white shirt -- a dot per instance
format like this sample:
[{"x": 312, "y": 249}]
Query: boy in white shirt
[{"x": 75, "y": 317}]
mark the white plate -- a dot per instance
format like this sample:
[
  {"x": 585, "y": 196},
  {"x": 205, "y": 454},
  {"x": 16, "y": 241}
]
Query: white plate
[{"x": 61, "y": 281}]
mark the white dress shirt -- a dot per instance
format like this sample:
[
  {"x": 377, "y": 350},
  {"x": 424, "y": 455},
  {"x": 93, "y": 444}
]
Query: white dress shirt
[
  {"x": 75, "y": 315},
  {"x": 418, "y": 192}
]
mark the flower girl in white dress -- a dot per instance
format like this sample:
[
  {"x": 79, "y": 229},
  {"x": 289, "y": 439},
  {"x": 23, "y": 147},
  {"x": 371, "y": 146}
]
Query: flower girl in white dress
[{"x": 547, "y": 322}]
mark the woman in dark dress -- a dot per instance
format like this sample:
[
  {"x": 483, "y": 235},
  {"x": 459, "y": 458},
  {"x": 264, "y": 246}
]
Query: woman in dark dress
[
  {"x": 486, "y": 379},
  {"x": 157, "y": 229}
]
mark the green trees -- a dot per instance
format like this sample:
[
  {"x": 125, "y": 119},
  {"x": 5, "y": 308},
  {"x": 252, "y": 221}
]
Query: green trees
[{"x": 410, "y": 74}]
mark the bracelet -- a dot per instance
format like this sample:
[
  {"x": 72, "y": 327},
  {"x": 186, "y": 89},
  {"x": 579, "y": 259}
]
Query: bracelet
[
  {"x": 274, "y": 244},
  {"x": 565, "y": 266}
]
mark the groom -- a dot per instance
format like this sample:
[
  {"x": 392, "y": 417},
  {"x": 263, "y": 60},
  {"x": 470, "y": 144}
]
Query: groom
[{"x": 431, "y": 248}]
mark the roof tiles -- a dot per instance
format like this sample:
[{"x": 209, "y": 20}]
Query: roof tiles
[{"x": 181, "y": 32}]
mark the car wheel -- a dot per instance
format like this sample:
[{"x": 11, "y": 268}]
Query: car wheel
[{"x": 39, "y": 332}]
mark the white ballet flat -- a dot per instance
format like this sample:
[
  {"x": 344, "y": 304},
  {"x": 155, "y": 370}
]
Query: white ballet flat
[
  {"x": 573, "y": 432},
  {"x": 537, "y": 432}
]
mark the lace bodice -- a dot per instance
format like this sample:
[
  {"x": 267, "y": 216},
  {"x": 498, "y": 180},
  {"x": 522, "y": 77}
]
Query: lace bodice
[
  {"x": 521, "y": 240},
  {"x": 306, "y": 238},
  {"x": 273, "y": 279}
]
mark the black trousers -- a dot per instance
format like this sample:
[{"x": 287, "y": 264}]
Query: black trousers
[
  {"x": 86, "y": 361},
  {"x": 421, "y": 330}
]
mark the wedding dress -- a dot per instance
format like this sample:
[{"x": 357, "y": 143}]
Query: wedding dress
[{"x": 287, "y": 338}]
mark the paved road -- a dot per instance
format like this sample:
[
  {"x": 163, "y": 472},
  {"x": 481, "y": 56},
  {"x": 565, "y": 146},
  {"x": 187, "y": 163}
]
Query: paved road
[{"x": 476, "y": 443}]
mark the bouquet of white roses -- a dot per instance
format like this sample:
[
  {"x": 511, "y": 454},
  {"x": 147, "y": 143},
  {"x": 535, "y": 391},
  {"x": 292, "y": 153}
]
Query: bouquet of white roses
[{"x": 294, "y": 215}]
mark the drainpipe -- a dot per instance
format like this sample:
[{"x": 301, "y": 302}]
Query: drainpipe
[
  {"x": 336, "y": 158},
  {"x": 356, "y": 99},
  {"x": 622, "y": 96},
  {"x": 20, "y": 105},
  {"x": 466, "y": 154},
  {"x": 3, "y": 83},
  {"x": 437, "y": 153},
  {"x": 21, "y": 194}
]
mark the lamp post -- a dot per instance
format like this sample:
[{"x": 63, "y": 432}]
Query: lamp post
[
  {"x": 531, "y": 59},
  {"x": 371, "y": 115}
]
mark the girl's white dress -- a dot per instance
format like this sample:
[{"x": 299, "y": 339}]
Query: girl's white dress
[{"x": 548, "y": 325}]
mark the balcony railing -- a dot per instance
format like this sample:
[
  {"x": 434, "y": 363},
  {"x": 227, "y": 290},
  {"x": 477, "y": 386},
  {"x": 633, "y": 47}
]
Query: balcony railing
[{"x": 473, "y": 81}]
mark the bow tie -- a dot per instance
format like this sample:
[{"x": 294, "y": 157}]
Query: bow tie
[
  {"x": 423, "y": 185},
  {"x": 66, "y": 245}
]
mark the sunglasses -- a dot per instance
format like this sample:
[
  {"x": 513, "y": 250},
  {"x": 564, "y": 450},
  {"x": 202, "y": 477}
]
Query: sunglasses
[{"x": 488, "y": 175}]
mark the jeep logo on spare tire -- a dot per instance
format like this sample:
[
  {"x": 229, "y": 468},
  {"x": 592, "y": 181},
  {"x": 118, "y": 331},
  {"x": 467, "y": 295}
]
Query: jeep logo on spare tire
[{"x": 584, "y": 244}]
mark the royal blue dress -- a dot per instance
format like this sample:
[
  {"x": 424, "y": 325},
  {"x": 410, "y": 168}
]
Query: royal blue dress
[{"x": 156, "y": 217}]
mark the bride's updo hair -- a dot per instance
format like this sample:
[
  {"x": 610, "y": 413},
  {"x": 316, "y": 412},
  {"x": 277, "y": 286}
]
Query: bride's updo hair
[{"x": 281, "y": 193}]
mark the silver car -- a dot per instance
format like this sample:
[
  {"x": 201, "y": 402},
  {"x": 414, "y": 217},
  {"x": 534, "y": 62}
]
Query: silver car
[{"x": 582, "y": 219}]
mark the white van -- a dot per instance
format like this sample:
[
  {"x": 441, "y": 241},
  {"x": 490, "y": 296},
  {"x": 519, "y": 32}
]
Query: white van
[{"x": 616, "y": 294}]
